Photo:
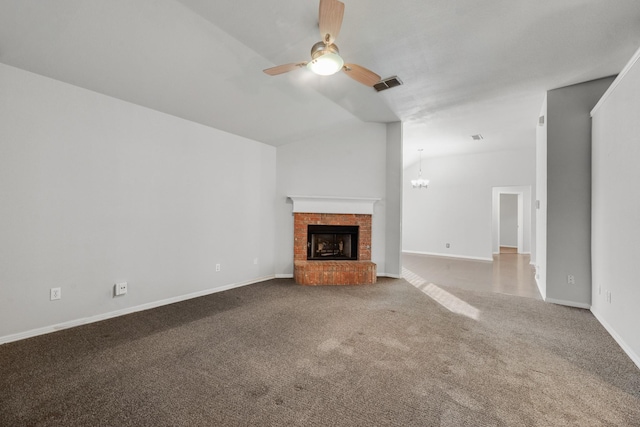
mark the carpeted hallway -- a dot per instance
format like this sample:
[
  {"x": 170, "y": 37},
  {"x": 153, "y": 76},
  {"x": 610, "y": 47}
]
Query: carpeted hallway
[{"x": 274, "y": 353}]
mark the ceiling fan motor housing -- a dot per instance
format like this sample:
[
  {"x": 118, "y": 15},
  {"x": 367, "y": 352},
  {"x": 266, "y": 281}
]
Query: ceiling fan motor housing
[{"x": 320, "y": 49}]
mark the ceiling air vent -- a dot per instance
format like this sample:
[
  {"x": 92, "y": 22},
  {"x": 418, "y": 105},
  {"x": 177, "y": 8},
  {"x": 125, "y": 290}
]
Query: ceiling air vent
[
  {"x": 477, "y": 137},
  {"x": 387, "y": 83}
]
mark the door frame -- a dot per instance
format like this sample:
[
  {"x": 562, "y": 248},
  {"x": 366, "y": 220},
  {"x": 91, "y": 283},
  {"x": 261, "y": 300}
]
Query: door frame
[{"x": 524, "y": 221}]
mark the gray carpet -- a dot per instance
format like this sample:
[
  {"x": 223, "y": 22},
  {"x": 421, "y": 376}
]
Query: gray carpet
[{"x": 279, "y": 354}]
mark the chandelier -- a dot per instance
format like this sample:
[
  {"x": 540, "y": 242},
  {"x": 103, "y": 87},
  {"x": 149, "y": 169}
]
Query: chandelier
[{"x": 420, "y": 182}]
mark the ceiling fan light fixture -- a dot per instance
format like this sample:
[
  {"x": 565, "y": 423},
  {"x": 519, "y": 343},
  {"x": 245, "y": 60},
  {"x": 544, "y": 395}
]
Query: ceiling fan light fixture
[{"x": 326, "y": 64}]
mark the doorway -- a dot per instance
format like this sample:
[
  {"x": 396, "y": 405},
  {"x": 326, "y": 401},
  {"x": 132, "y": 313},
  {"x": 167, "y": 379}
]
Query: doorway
[
  {"x": 509, "y": 224},
  {"x": 511, "y": 220}
]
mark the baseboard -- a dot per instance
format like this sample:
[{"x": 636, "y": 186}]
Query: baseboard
[
  {"x": 543, "y": 293},
  {"x": 393, "y": 276},
  {"x": 448, "y": 255},
  {"x": 635, "y": 358},
  {"x": 104, "y": 316},
  {"x": 568, "y": 303},
  {"x": 284, "y": 276}
]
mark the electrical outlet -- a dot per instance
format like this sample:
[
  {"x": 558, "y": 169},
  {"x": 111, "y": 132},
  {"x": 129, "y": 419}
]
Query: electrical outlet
[
  {"x": 56, "y": 293},
  {"x": 571, "y": 279},
  {"x": 609, "y": 297},
  {"x": 121, "y": 288},
  {"x": 217, "y": 267},
  {"x": 448, "y": 245}
]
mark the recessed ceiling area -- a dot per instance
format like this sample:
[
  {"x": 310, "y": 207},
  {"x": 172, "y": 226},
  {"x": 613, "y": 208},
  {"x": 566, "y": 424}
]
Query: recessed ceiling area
[{"x": 467, "y": 67}]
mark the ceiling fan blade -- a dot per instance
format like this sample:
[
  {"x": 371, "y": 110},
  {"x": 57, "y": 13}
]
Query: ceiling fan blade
[
  {"x": 281, "y": 69},
  {"x": 361, "y": 74},
  {"x": 330, "y": 17}
]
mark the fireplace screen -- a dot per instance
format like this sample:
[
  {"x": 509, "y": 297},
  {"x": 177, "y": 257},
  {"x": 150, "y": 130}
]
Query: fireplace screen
[{"x": 332, "y": 242}]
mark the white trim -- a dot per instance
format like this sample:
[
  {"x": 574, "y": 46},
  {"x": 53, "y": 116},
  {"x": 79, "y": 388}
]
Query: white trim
[
  {"x": 333, "y": 205},
  {"x": 568, "y": 303},
  {"x": 615, "y": 83},
  {"x": 449, "y": 255},
  {"x": 104, "y": 316},
  {"x": 519, "y": 253},
  {"x": 633, "y": 356},
  {"x": 543, "y": 292},
  {"x": 284, "y": 276}
]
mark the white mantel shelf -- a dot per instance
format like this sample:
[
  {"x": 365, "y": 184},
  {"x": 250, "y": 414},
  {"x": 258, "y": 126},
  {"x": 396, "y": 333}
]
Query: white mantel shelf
[{"x": 333, "y": 205}]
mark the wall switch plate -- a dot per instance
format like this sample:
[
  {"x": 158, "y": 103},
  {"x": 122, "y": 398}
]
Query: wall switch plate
[
  {"x": 121, "y": 288},
  {"x": 571, "y": 279},
  {"x": 255, "y": 261},
  {"x": 448, "y": 245},
  {"x": 217, "y": 267},
  {"x": 56, "y": 293}
]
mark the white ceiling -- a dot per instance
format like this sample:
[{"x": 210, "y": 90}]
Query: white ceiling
[{"x": 468, "y": 66}]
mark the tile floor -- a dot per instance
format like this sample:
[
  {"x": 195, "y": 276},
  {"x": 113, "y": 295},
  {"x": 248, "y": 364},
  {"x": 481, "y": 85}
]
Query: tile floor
[{"x": 507, "y": 274}]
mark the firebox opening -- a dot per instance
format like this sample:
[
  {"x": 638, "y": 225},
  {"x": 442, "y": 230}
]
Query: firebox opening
[{"x": 332, "y": 242}]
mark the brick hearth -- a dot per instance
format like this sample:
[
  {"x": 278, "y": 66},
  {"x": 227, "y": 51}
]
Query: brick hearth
[{"x": 359, "y": 272}]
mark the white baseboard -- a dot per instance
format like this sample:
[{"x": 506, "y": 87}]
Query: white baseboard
[
  {"x": 284, "y": 276},
  {"x": 635, "y": 358},
  {"x": 543, "y": 292},
  {"x": 449, "y": 255},
  {"x": 104, "y": 316},
  {"x": 568, "y": 303}
]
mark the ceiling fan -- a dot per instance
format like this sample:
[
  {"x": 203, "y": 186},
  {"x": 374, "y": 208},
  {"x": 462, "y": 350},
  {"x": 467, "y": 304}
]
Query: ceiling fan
[{"x": 325, "y": 56}]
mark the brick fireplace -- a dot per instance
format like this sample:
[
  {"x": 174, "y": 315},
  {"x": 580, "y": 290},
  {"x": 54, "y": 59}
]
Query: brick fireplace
[{"x": 354, "y": 213}]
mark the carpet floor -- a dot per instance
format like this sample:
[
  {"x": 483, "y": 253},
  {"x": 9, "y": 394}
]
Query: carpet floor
[{"x": 274, "y": 353}]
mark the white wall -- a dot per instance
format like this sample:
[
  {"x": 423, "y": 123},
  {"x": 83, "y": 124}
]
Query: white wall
[
  {"x": 541, "y": 202},
  {"x": 509, "y": 220},
  {"x": 568, "y": 204},
  {"x": 457, "y": 206},
  {"x": 346, "y": 163},
  {"x": 615, "y": 238},
  {"x": 95, "y": 190},
  {"x": 393, "y": 201}
]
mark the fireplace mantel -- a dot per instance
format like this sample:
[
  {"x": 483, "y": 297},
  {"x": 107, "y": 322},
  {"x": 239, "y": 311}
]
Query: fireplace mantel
[{"x": 333, "y": 205}]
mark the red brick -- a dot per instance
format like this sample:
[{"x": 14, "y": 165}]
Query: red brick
[{"x": 343, "y": 272}]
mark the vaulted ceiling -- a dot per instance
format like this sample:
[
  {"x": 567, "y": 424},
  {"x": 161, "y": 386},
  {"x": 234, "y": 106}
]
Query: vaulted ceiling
[{"x": 468, "y": 67}]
